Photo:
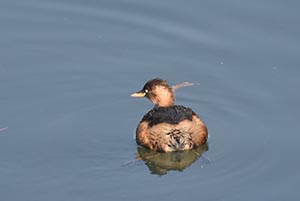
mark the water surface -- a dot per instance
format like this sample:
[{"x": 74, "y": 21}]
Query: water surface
[{"x": 67, "y": 69}]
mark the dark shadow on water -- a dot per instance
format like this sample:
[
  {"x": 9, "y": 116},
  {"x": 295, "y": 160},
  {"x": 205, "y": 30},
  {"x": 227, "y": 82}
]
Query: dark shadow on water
[{"x": 161, "y": 163}]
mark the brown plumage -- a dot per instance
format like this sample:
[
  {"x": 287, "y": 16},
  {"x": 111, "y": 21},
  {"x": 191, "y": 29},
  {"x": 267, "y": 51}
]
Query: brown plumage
[{"x": 168, "y": 127}]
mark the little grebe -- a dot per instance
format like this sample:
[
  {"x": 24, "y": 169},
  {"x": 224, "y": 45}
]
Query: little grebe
[{"x": 168, "y": 127}]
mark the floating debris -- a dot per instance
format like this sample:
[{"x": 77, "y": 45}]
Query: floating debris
[
  {"x": 183, "y": 84},
  {"x": 3, "y": 129}
]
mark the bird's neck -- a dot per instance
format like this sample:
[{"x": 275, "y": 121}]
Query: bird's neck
[{"x": 165, "y": 98}]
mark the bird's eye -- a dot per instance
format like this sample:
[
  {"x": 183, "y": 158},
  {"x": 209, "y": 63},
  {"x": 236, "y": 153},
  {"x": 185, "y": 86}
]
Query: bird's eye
[{"x": 146, "y": 91}]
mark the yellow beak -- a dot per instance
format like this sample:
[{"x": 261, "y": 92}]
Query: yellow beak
[{"x": 139, "y": 94}]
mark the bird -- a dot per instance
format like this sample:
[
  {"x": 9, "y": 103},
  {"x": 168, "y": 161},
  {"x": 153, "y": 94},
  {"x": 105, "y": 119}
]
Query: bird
[{"x": 168, "y": 127}]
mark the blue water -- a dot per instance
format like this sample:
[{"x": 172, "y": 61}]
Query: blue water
[{"x": 67, "y": 69}]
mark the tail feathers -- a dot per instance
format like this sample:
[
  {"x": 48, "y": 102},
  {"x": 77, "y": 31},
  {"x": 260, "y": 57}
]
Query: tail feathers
[{"x": 178, "y": 140}]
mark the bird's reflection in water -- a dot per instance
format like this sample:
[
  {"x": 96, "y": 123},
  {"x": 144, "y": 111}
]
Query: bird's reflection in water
[{"x": 161, "y": 163}]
